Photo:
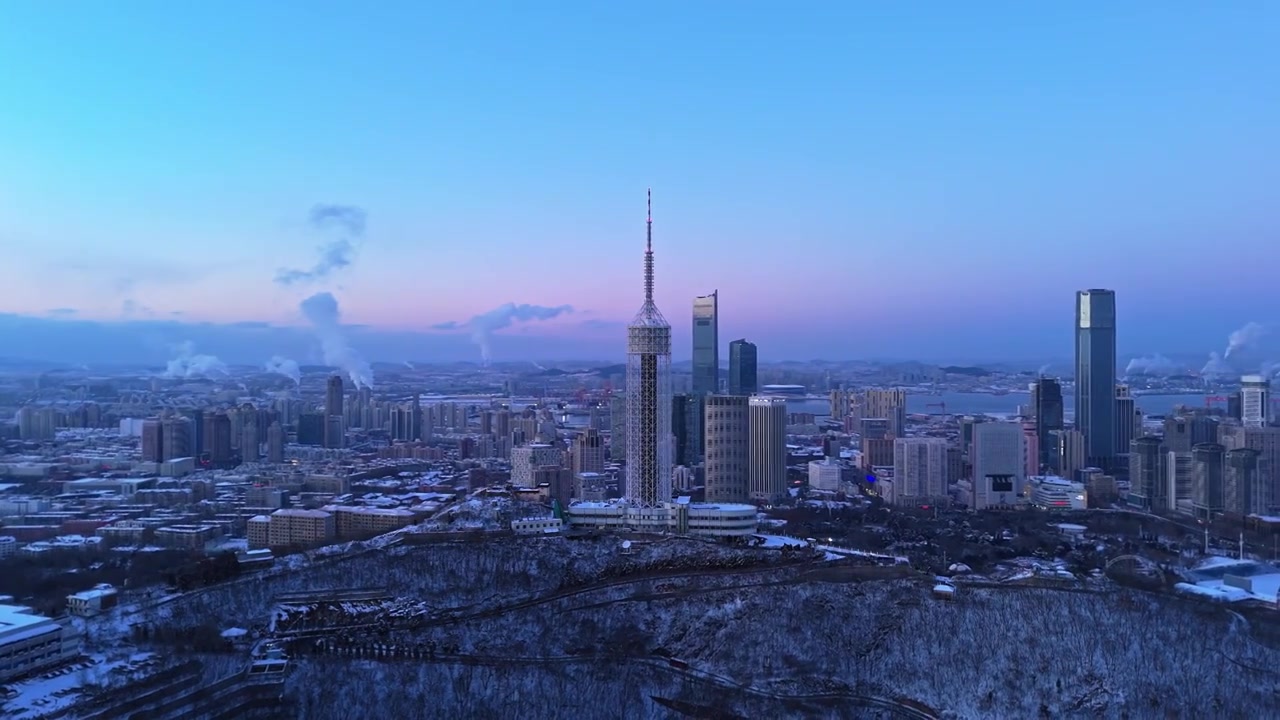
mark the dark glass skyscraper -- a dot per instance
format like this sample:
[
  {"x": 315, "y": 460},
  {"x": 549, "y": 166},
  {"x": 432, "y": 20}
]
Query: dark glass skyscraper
[
  {"x": 706, "y": 344},
  {"x": 742, "y": 368},
  {"x": 1096, "y": 374},
  {"x": 686, "y": 427},
  {"x": 1046, "y": 403}
]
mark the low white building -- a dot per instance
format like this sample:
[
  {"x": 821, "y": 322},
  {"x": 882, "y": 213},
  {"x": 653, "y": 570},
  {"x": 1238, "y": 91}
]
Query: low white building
[
  {"x": 8, "y": 546},
  {"x": 31, "y": 642},
  {"x": 537, "y": 526},
  {"x": 705, "y": 519},
  {"x": 825, "y": 474},
  {"x": 1051, "y": 492},
  {"x": 92, "y": 602}
]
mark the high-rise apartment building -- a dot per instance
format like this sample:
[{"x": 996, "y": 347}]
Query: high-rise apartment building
[
  {"x": 250, "y": 449},
  {"x": 649, "y": 395},
  {"x": 176, "y": 432},
  {"x": 152, "y": 440},
  {"x": 275, "y": 443},
  {"x": 999, "y": 468},
  {"x": 1096, "y": 374},
  {"x": 311, "y": 429},
  {"x": 706, "y": 344},
  {"x": 334, "y": 420},
  {"x": 888, "y": 404},
  {"x": 743, "y": 379},
  {"x": 727, "y": 455},
  {"x": 1046, "y": 403},
  {"x": 1255, "y": 400},
  {"x": 217, "y": 437},
  {"x": 196, "y": 418},
  {"x": 919, "y": 470},
  {"x": 767, "y": 447}
]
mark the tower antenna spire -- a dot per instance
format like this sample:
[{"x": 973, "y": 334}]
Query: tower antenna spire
[{"x": 648, "y": 248}]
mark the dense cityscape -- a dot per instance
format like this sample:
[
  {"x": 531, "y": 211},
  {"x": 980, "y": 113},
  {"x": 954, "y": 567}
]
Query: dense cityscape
[
  {"x": 131, "y": 497},
  {"x": 663, "y": 361}
]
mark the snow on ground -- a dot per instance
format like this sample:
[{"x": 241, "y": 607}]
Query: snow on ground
[
  {"x": 227, "y": 545},
  {"x": 898, "y": 559},
  {"x": 1217, "y": 561},
  {"x": 1209, "y": 578},
  {"x": 1220, "y": 592},
  {"x": 59, "y": 688},
  {"x": 235, "y": 632},
  {"x": 779, "y": 541},
  {"x": 1263, "y": 587}
]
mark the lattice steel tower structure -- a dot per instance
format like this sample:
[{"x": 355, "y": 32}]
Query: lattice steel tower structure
[{"x": 649, "y": 393}]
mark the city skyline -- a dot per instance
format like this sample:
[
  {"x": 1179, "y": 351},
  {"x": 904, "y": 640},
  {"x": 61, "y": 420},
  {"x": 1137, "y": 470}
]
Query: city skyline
[{"x": 175, "y": 182}]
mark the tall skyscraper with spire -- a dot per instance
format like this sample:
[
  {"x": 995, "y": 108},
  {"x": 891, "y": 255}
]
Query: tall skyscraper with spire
[{"x": 649, "y": 393}]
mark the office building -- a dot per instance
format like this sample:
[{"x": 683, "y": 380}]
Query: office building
[
  {"x": 687, "y": 428},
  {"x": 919, "y": 470},
  {"x": 1255, "y": 400},
  {"x": 826, "y": 474},
  {"x": 1208, "y": 466},
  {"x": 1148, "y": 483},
  {"x": 1128, "y": 424},
  {"x": 648, "y": 417},
  {"x": 617, "y": 429},
  {"x": 1047, "y": 405},
  {"x": 1265, "y": 440},
  {"x": 1049, "y": 492},
  {"x": 767, "y": 448},
  {"x": 30, "y": 642},
  {"x": 1180, "y": 480},
  {"x": 527, "y": 458},
  {"x": 588, "y": 452},
  {"x": 1183, "y": 432},
  {"x": 706, "y": 344},
  {"x": 1096, "y": 374},
  {"x": 727, "y": 455},
  {"x": 743, "y": 379},
  {"x": 998, "y": 464},
  {"x": 1244, "y": 482}
]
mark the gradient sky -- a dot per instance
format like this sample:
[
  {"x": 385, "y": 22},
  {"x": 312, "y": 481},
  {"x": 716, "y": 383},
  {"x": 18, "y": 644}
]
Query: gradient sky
[{"x": 927, "y": 179}]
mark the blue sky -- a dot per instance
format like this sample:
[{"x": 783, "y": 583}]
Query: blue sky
[{"x": 857, "y": 179}]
